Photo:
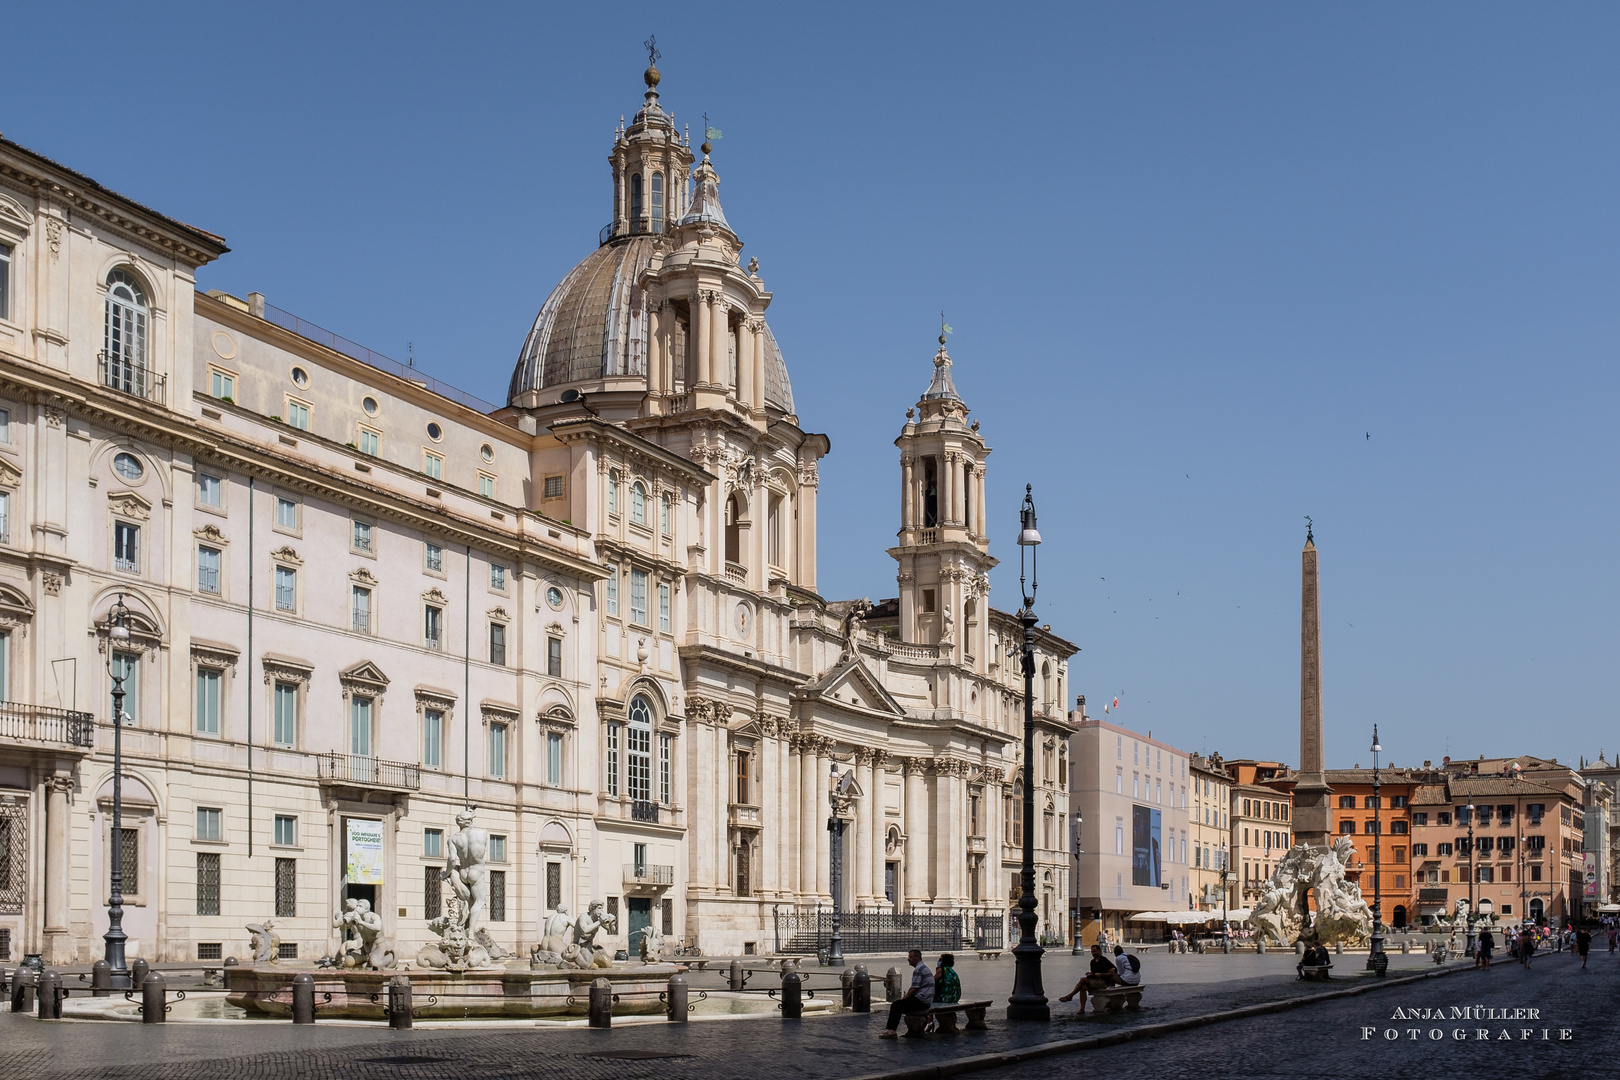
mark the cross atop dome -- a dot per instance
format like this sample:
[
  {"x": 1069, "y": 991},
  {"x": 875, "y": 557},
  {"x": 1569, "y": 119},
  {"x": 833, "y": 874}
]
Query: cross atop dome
[{"x": 941, "y": 398}]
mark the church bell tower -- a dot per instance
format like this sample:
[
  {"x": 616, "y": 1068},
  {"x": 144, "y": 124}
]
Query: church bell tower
[{"x": 944, "y": 552}]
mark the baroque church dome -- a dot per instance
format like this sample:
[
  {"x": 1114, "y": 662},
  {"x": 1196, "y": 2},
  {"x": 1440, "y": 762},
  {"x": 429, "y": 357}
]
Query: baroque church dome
[{"x": 595, "y": 325}]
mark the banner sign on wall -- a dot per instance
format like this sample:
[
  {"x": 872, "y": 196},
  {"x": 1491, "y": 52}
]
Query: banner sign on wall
[
  {"x": 365, "y": 851},
  {"x": 1145, "y": 837},
  {"x": 1590, "y": 866}
]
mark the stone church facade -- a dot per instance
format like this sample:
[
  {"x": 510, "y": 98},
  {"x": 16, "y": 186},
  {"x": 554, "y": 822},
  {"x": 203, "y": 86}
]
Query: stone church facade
[{"x": 362, "y": 599}]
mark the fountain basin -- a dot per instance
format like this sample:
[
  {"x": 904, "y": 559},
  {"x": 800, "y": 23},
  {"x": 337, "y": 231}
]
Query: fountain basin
[{"x": 490, "y": 993}]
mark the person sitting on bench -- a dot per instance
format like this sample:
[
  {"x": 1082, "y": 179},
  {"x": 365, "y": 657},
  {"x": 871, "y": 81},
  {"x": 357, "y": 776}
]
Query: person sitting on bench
[
  {"x": 1128, "y": 967},
  {"x": 947, "y": 984},
  {"x": 1315, "y": 956},
  {"x": 920, "y": 998},
  {"x": 1103, "y": 974}
]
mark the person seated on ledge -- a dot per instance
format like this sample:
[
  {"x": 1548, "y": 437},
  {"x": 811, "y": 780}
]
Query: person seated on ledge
[
  {"x": 947, "y": 985},
  {"x": 920, "y": 998},
  {"x": 1316, "y": 955},
  {"x": 1102, "y": 974},
  {"x": 1128, "y": 967}
]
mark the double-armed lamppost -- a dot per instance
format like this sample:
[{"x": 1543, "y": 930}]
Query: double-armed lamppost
[
  {"x": 1074, "y": 886},
  {"x": 117, "y": 635},
  {"x": 839, "y": 795},
  {"x": 1469, "y": 951},
  {"x": 1028, "y": 1001},
  {"x": 1376, "y": 960}
]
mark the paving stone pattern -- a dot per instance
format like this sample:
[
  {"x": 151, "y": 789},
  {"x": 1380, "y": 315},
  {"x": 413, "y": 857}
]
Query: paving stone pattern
[{"x": 813, "y": 1049}]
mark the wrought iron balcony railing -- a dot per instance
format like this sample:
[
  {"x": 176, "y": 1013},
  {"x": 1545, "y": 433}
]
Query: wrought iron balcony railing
[
  {"x": 20, "y": 723},
  {"x": 648, "y": 874},
  {"x": 132, "y": 377},
  {"x": 641, "y": 810},
  {"x": 366, "y": 771}
]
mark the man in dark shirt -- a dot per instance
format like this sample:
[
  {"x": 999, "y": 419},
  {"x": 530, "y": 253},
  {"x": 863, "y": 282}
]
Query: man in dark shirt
[
  {"x": 1103, "y": 973},
  {"x": 1583, "y": 944}
]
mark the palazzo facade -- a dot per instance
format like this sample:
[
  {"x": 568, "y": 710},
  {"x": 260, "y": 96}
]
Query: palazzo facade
[{"x": 363, "y": 599}]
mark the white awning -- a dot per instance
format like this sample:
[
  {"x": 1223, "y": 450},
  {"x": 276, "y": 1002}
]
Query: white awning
[
  {"x": 1609, "y": 909},
  {"x": 1148, "y": 916}
]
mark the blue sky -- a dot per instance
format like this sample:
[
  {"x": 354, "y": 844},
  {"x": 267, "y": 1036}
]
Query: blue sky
[{"x": 1212, "y": 268}]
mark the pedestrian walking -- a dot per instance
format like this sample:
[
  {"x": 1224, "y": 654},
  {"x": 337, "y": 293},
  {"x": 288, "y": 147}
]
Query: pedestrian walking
[
  {"x": 1583, "y": 944},
  {"x": 1482, "y": 954}
]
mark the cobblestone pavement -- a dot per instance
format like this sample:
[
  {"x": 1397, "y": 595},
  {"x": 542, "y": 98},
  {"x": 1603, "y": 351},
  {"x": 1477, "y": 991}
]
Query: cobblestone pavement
[
  {"x": 1330, "y": 1040},
  {"x": 821, "y": 1048}
]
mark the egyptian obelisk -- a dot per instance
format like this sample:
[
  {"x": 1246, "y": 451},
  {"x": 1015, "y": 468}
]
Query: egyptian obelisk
[{"x": 1311, "y": 793}]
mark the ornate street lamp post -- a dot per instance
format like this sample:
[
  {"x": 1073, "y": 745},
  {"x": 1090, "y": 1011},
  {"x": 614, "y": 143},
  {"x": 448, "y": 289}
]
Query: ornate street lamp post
[
  {"x": 838, "y": 794},
  {"x": 1469, "y": 951},
  {"x": 1028, "y": 1001},
  {"x": 117, "y": 635},
  {"x": 1376, "y": 959},
  {"x": 1226, "y": 925},
  {"x": 1074, "y": 886}
]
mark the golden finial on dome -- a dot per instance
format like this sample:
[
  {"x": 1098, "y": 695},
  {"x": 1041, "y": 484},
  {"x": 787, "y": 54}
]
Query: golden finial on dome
[{"x": 651, "y": 74}]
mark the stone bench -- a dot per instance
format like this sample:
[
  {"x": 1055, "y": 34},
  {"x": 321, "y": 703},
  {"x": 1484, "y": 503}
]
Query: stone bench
[
  {"x": 944, "y": 1018},
  {"x": 1115, "y": 998},
  {"x": 1316, "y": 972},
  {"x": 988, "y": 954}
]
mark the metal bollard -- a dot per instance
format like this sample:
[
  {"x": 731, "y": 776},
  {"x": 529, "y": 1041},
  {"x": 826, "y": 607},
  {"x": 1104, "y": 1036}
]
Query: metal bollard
[
  {"x": 22, "y": 989},
  {"x": 137, "y": 974},
  {"x": 100, "y": 979},
  {"x": 675, "y": 999},
  {"x": 734, "y": 976},
  {"x": 154, "y": 999},
  {"x": 891, "y": 985},
  {"x": 601, "y": 1008},
  {"x": 792, "y": 996},
  {"x": 846, "y": 982},
  {"x": 399, "y": 1002},
  {"x": 49, "y": 996},
  {"x": 863, "y": 990},
  {"x": 303, "y": 998}
]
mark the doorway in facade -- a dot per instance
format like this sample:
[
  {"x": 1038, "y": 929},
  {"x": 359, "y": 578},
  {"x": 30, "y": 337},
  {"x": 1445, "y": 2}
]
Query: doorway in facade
[
  {"x": 1400, "y": 917},
  {"x": 640, "y": 912},
  {"x": 355, "y": 891}
]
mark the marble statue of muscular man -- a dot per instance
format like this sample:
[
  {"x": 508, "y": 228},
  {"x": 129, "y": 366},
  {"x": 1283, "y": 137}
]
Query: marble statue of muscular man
[{"x": 466, "y": 868}]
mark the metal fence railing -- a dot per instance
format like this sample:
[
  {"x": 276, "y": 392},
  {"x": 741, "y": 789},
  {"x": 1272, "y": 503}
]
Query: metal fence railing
[
  {"x": 321, "y": 336},
  {"x": 370, "y": 771}
]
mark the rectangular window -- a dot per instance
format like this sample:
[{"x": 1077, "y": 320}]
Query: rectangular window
[
  {"x": 208, "y": 823},
  {"x": 486, "y": 485},
  {"x": 432, "y": 898},
  {"x": 497, "y": 644},
  {"x": 361, "y": 536},
  {"x": 553, "y": 487},
  {"x": 553, "y": 886},
  {"x": 208, "y": 570},
  {"x": 208, "y": 687},
  {"x": 432, "y": 626},
  {"x": 223, "y": 386},
  {"x": 207, "y": 883},
  {"x": 287, "y": 889},
  {"x": 126, "y": 547},
  {"x": 297, "y": 415},
  {"x": 613, "y": 759},
  {"x": 360, "y": 726},
  {"x": 663, "y": 607},
  {"x": 497, "y": 849},
  {"x": 432, "y": 739},
  {"x": 370, "y": 442},
  {"x": 286, "y": 514},
  {"x": 286, "y": 830},
  {"x": 663, "y": 514},
  {"x": 638, "y": 597},
  {"x": 5, "y": 686},
  {"x": 210, "y": 491},
  {"x": 433, "y": 557},
  {"x": 610, "y": 589},
  {"x": 554, "y": 747},
  {"x": 665, "y": 770},
  {"x": 5, "y": 281},
  {"x": 497, "y": 896},
  {"x": 639, "y": 762},
  {"x": 286, "y": 588},
  {"x": 126, "y": 672},
  {"x": 554, "y": 657},
  {"x": 5, "y": 425},
  {"x": 433, "y": 465},
  {"x": 130, "y": 852},
  {"x": 360, "y": 609},
  {"x": 497, "y": 750},
  {"x": 5, "y": 517},
  {"x": 1442, "y": 849},
  {"x": 1420, "y": 850},
  {"x": 433, "y": 843},
  {"x": 286, "y": 714},
  {"x": 497, "y": 577},
  {"x": 613, "y": 492}
]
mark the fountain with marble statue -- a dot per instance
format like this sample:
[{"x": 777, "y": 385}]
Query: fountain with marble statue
[
  {"x": 463, "y": 942},
  {"x": 363, "y": 944},
  {"x": 1283, "y": 914}
]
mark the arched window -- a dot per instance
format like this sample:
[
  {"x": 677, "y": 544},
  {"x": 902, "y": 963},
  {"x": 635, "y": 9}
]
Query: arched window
[
  {"x": 635, "y": 203},
  {"x": 1015, "y": 813},
  {"x": 733, "y": 530},
  {"x": 639, "y": 758},
  {"x": 638, "y": 503},
  {"x": 1046, "y": 683},
  {"x": 657, "y": 202},
  {"x": 124, "y": 359}
]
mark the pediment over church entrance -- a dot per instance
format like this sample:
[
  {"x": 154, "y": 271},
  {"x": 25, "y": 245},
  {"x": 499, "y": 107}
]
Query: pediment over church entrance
[{"x": 851, "y": 683}]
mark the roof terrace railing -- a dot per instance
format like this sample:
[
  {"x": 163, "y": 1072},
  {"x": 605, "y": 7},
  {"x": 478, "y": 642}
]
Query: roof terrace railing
[{"x": 321, "y": 336}]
